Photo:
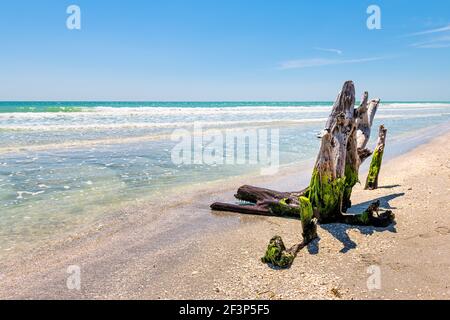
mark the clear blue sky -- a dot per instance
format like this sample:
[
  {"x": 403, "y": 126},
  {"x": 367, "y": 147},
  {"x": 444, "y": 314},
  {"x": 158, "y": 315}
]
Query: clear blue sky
[{"x": 223, "y": 50}]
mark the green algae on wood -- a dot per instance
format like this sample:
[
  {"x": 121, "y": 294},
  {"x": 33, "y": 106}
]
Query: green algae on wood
[
  {"x": 372, "y": 216},
  {"x": 351, "y": 179},
  {"x": 325, "y": 195},
  {"x": 309, "y": 226},
  {"x": 302, "y": 209},
  {"x": 282, "y": 208},
  {"x": 377, "y": 158},
  {"x": 277, "y": 255},
  {"x": 374, "y": 170}
]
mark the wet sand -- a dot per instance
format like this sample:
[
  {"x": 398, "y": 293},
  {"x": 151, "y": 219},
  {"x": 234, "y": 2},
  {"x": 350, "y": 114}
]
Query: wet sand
[{"x": 180, "y": 249}]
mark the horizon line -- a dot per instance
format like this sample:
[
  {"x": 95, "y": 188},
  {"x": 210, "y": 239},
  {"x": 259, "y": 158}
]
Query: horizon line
[{"x": 206, "y": 101}]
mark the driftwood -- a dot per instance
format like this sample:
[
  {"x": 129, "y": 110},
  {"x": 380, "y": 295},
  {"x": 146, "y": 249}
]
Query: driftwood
[
  {"x": 263, "y": 202},
  {"x": 335, "y": 173},
  {"x": 277, "y": 254},
  {"x": 365, "y": 115},
  {"x": 375, "y": 165},
  {"x": 356, "y": 148}
]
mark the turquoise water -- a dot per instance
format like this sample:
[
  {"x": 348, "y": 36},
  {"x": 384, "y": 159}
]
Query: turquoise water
[
  {"x": 78, "y": 106},
  {"x": 64, "y": 164}
]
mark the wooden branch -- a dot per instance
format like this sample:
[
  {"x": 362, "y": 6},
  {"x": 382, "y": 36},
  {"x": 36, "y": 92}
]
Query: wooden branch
[
  {"x": 372, "y": 110},
  {"x": 364, "y": 154},
  {"x": 356, "y": 146},
  {"x": 372, "y": 216},
  {"x": 265, "y": 202},
  {"x": 364, "y": 102},
  {"x": 375, "y": 165},
  {"x": 254, "y": 194},
  {"x": 365, "y": 115},
  {"x": 248, "y": 209}
]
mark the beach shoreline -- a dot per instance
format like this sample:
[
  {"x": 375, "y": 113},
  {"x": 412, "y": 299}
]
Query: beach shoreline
[{"x": 143, "y": 254}]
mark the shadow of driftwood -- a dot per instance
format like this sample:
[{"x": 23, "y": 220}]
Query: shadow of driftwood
[
  {"x": 340, "y": 231},
  {"x": 384, "y": 203},
  {"x": 313, "y": 246}
]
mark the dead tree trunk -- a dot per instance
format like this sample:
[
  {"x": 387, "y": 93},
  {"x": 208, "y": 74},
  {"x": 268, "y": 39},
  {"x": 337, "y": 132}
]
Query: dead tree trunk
[
  {"x": 328, "y": 181},
  {"x": 356, "y": 148},
  {"x": 375, "y": 165}
]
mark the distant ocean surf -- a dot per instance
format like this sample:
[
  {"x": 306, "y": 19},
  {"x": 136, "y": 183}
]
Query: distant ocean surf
[{"x": 63, "y": 163}]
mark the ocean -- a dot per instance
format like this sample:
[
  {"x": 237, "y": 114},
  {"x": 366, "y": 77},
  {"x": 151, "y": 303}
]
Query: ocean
[{"x": 65, "y": 164}]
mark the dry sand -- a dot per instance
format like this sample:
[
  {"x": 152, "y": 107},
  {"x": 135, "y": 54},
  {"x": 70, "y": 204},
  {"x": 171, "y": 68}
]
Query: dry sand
[{"x": 144, "y": 253}]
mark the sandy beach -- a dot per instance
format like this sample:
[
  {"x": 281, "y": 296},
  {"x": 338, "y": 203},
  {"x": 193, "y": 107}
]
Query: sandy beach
[{"x": 143, "y": 253}]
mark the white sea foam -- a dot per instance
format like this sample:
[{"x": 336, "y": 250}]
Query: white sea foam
[
  {"x": 187, "y": 124},
  {"x": 416, "y": 105},
  {"x": 105, "y": 111},
  {"x": 147, "y": 125},
  {"x": 20, "y": 194},
  {"x": 163, "y": 111}
]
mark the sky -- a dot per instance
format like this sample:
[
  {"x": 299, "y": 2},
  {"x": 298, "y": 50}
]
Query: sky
[{"x": 205, "y": 50}]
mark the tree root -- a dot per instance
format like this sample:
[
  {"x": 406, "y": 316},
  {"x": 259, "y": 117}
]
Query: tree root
[
  {"x": 264, "y": 202},
  {"x": 278, "y": 256},
  {"x": 372, "y": 216},
  {"x": 375, "y": 165}
]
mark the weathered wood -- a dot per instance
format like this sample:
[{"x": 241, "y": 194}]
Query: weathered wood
[
  {"x": 265, "y": 202},
  {"x": 364, "y": 154},
  {"x": 372, "y": 216},
  {"x": 356, "y": 147},
  {"x": 372, "y": 110},
  {"x": 247, "y": 209},
  {"x": 254, "y": 194},
  {"x": 352, "y": 158},
  {"x": 365, "y": 115},
  {"x": 277, "y": 254},
  {"x": 375, "y": 165},
  {"x": 328, "y": 181},
  {"x": 343, "y": 104}
]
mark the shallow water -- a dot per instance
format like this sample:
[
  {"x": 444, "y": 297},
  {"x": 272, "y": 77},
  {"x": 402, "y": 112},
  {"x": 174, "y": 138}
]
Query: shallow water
[{"x": 66, "y": 164}]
